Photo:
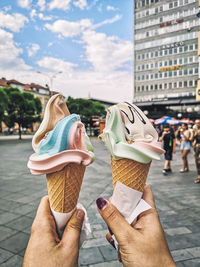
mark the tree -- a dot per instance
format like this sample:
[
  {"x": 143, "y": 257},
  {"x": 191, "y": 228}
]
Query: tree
[
  {"x": 86, "y": 108},
  {"x": 3, "y": 104},
  {"x": 23, "y": 108}
]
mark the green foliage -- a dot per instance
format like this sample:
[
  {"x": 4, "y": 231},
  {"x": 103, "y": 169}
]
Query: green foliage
[
  {"x": 23, "y": 108},
  {"x": 3, "y": 103},
  {"x": 86, "y": 108}
]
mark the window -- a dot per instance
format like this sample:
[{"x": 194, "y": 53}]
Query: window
[
  {"x": 175, "y": 73},
  {"x": 175, "y": 85},
  {"x": 161, "y": 19},
  {"x": 160, "y": 64},
  {"x": 180, "y": 61},
  {"x": 191, "y": 47},
  {"x": 196, "y": 70},
  {"x": 191, "y": 59},
  {"x": 195, "y": 82},
  {"x": 161, "y": 53},
  {"x": 151, "y": 54},
  {"x": 185, "y": 83},
  {"x": 151, "y": 87},
  {"x": 142, "y": 77},
  {"x": 147, "y": 88},
  {"x": 170, "y": 85},
  {"x": 165, "y": 63},
  {"x": 160, "y": 86},
  {"x": 180, "y": 84},
  {"x": 138, "y": 78},
  {"x": 147, "y": 34},
  {"x": 156, "y": 75},
  {"x": 151, "y": 65},
  {"x": 156, "y": 87},
  {"x": 147, "y": 77},
  {"x": 175, "y": 50},
  {"x": 151, "y": 76},
  {"x": 175, "y": 4},
  {"x": 147, "y": 66},
  {"x": 180, "y": 2},
  {"x": 185, "y": 60},
  {"x": 142, "y": 67},
  {"x": 160, "y": 75},
  {"x": 165, "y": 74},
  {"x": 186, "y": 2},
  {"x": 170, "y": 62},
  {"x": 138, "y": 88},
  {"x": 170, "y": 5},
  {"x": 165, "y": 86},
  {"x": 156, "y": 53},
  {"x": 190, "y": 83},
  {"x": 147, "y": 55},
  {"x": 170, "y": 51},
  {"x": 139, "y": 68},
  {"x": 180, "y": 73},
  {"x": 142, "y": 56},
  {"x": 170, "y": 73},
  {"x": 166, "y": 52},
  {"x": 190, "y": 71},
  {"x": 156, "y": 10},
  {"x": 185, "y": 48},
  {"x": 138, "y": 57},
  {"x": 156, "y": 64},
  {"x": 180, "y": 49},
  {"x": 185, "y": 71},
  {"x": 175, "y": 61},
  {"x": 161, "y": 8},
  {"x": 196, "y": 46}
]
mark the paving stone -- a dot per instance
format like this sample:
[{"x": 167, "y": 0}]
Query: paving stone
[
  {"x": 194, "y": 251},
  {"x": 6, "y": 232},
  {"x": 15, "y": 261},
  {"x": 108, "y": 264},
  {"x": 15, "y": 243},
  {"x": 181, "y": 254},
  {"x": 5, "y": 255},
  {"x": 97, "y": 242},
  {"x": 177, "y": 231},
  {"x": 7, "y": 217},
  {"x": 90, "y": 256},
  {"x": 192, "y": 263},
  {"x": 108, "y": 252},
  {"x": 20, "y": 223}
]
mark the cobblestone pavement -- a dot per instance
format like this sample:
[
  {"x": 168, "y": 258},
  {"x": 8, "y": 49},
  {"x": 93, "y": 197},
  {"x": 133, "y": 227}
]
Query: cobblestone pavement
[{"x": 177, "y": 199}]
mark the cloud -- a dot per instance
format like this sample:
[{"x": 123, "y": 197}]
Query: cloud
[
  {"x": 111, "y": 8},
  {"x": 56, "y": 64},
  {"x": 12, "y": 22},
  {"x": 108, "y": 21},
  {"x": 69, "y": 29},
  {"x": 33, "y": 13},
  {"x": 42, "y": 17},
  {"x": 32, "y": 50},
  {"x": 107, "y": 54},
  {"x": 41, "y": 4},
  {"x": 82, "y": 4},
  {"x": 24, "y": 3},
  {"x": 10, "y": 54},
  {"x": 59, "y": 4}
]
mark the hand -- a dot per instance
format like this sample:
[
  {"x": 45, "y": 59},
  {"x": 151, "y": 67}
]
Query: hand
[
  {"x": 144, "y": 244},
  {"x": 45, "y": 248}
]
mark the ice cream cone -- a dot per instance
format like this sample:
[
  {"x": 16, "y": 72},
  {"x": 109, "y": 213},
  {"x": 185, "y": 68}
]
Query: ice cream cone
[
  {"x": 129, "y": 172},
  {"x": 64, "y": 187}
]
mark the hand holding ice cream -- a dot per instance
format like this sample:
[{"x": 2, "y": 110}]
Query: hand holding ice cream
[{"x": 62, "y": 151}]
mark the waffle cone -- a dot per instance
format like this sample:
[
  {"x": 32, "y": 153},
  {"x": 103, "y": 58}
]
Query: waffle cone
[
  {"x": 64, "y": 187},
  {"x": 129, "y": 172}
]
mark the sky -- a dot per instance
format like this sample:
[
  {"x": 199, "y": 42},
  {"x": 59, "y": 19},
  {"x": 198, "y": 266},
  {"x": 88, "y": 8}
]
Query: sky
[{"x": 80, "y": 48}]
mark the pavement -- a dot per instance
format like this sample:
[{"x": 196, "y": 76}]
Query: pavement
[{"x": 176, "y": 195}]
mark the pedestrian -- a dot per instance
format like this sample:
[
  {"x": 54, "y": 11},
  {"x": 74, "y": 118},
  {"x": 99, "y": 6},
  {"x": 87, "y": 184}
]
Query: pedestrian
[
  {"x": 196, "y": 146},
  {"x": 143, "y": 244},
  {"x": 169, "y": 144},
  {"x": 185, "y": 146}
]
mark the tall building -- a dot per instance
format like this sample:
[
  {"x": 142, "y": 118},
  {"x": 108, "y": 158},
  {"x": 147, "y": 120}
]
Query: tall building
[{"x": 166, "y": 53}]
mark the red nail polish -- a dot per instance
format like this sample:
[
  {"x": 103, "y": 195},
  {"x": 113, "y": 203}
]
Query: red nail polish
[{"x": 101, "y": 203}]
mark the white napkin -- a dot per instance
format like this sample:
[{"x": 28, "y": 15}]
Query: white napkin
[
  {"x": 129, "y": 202},
  {"x": 62, "y": 219}
]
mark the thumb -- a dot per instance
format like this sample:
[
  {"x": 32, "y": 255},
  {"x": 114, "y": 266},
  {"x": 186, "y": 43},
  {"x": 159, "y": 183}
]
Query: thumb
[
  {"x": 115, "y": 221},
  {"x": 72, "y": 231}
]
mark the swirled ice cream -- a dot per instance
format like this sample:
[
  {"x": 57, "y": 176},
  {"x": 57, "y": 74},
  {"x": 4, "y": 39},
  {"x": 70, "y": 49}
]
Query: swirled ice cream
[
  {"x": 61, "y": 139},
  {"x": 129, "y": 134}
]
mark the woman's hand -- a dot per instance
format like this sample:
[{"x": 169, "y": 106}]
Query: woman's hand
[
  {"x": 144, "y": 244},
  {"x": 45, "y": 249}
]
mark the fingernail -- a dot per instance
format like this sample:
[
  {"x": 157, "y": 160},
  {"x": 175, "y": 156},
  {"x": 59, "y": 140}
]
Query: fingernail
[
  {"x": 80, "y": 214},
  {"x": 101, "y": 203},
  {"x": 112, "y": 243}
]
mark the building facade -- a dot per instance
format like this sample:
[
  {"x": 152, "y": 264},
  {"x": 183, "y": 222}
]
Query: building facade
[{"x": 166, "y": 52}]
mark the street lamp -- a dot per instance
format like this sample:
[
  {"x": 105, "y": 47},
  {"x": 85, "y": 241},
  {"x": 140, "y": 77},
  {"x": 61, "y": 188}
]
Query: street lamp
[{"x": 51, "y": 77}]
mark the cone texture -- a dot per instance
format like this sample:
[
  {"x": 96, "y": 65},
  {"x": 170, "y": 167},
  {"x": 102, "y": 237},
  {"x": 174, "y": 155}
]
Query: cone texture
[
  {"x": 129, "y": 172},
  {"x": 64, "y": 187}
]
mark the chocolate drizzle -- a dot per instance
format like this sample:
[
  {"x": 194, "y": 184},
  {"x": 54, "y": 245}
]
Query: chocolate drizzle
[{"x": 133, "y": 110}]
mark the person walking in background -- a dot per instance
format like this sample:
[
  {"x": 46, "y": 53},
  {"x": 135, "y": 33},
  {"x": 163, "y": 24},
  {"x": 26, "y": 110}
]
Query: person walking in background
[
  {"x": 169, "y": 144},
  {"x": 196, "y": 146},
  {"x": 185, "y": 146}
]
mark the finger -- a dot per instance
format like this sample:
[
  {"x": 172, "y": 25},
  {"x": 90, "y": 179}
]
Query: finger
[
  {"x": 115, "y": 221},
  {"x": 43, "y": 208},
  {"x": 72, "y": 231},
  {"x": 148, "y": 196}
]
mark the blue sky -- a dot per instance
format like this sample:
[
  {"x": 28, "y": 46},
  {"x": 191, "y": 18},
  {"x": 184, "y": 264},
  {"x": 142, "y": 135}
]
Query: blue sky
[{"x": 89, "y": 41}]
